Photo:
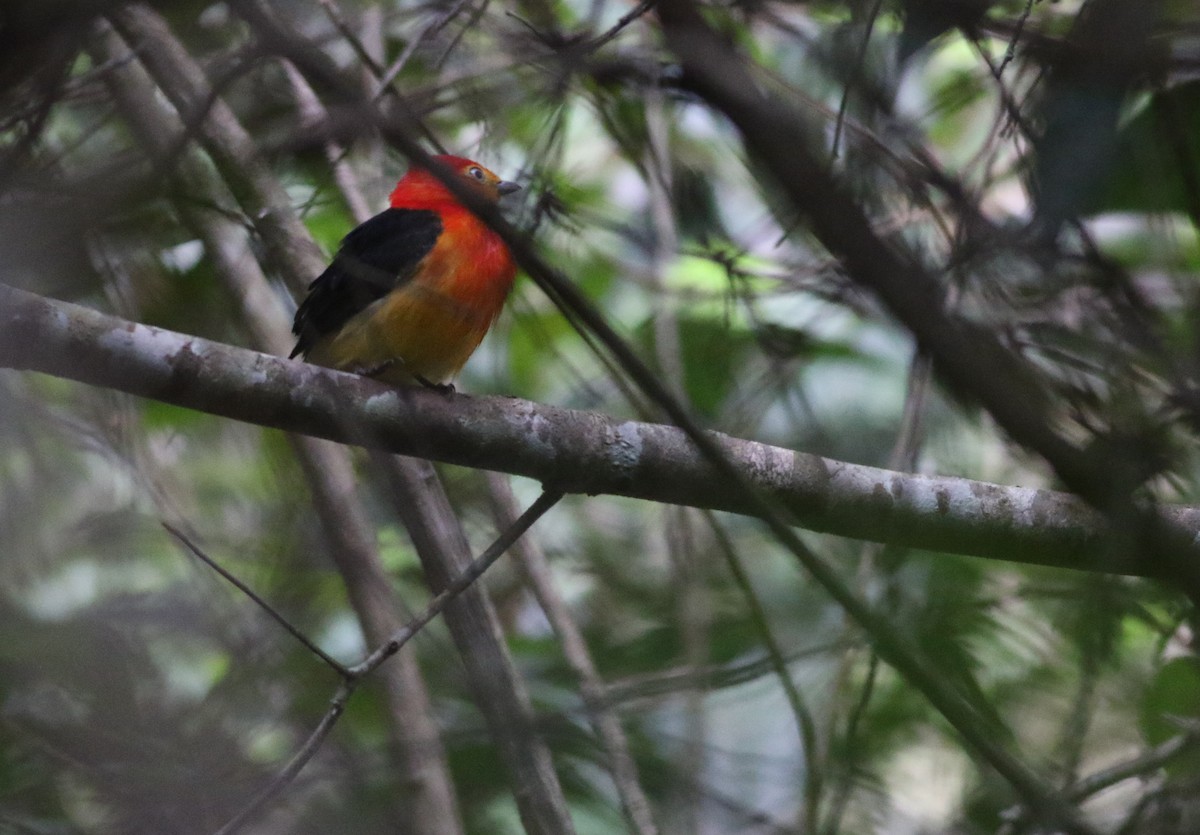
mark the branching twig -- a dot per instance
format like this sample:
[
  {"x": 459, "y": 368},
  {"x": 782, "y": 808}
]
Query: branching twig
[
  {"x": 1011, "y": 52},
  {"x": 666, "y": 683},
  {"x": 459, "y": 584},
  {"x": 629, "y": 17},
  {"x": 856, "y": 70},
  {"x": 1142, "y": 765},
  {"x": 384, "y": 81},
  {"x": 352, "y": 676}
]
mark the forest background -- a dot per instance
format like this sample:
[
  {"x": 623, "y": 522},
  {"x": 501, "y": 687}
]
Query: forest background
[{"x": 929, "y": 266}]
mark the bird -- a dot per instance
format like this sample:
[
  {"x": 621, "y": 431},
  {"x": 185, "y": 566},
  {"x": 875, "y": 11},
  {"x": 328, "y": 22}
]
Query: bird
[{"x": 412, "y": 291}]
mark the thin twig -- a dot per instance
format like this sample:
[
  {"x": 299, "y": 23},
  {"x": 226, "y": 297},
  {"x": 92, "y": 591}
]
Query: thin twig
[
  {"x": 667, "y": 683},
  {"x": 1011, "y": 52},
  {"x": 360, "y": 51},
  {"x": 353, "y": 676},
  {"x": 259, "y": 601},
  {"x": 288, "y": 774},
  {"x": 626, "y": 19},
  {"x": 805, "y": 725},
  {"x": 476, "y": 14},
  {"x": 1151, "y": 760},
  {"x": 855, "y": 71},
  {"x": 313, "y": 113},
  {"x": 459, "y": 584},
  {"x": 266, "y": 22},
  {"x": 905, "y": 449},
  {"x": 1141, "y": 765},
  {"x": 692, "y": 613},
  {"x": 841, "y": 795},
  {"x": 910, "y": 435},
  {"x": 384, "y": 81}
]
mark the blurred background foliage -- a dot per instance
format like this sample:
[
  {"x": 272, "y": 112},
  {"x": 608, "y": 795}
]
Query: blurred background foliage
[{"x": 139, "y": 693}]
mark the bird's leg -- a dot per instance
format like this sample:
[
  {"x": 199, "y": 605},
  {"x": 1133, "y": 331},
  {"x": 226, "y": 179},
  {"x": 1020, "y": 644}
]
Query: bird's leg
[{"x": 440, "y": 388}]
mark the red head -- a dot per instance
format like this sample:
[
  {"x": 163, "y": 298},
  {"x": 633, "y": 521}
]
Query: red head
[{"x": 420, "y": 187}]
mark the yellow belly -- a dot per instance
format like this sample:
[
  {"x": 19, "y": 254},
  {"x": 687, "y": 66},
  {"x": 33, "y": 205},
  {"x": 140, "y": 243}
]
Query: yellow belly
[{"x": 416, "y": 330}]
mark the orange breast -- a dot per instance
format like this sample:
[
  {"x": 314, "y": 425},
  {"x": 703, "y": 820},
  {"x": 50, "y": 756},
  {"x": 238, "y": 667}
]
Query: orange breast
[{"x": 433, "y": 323}]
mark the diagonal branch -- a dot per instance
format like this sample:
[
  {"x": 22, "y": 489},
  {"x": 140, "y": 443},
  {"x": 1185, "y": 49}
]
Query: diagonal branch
[
  {"x": 423, "y": 779},
  {"x": 285, "y": 777},
  {"x": 290, "y": 251},
  {"x": 970, "y": 358},
  {"x": 532, "y": 562},
  {"x": 460, "y": 583},
  {"x": 352, "y": 677}
]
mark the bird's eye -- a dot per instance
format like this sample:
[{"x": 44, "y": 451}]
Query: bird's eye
[{"x": 476, "y": 172}]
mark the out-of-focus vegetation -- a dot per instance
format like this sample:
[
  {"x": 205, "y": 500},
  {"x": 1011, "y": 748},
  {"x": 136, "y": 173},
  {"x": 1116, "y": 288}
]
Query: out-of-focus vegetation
[{"x": 1052, "y": 187}]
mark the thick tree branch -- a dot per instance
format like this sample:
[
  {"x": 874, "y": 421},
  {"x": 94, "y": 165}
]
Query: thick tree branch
[{"x": 573, "y": 451}]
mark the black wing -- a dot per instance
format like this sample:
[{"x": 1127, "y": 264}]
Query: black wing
[{"x": 374, "y": 259}]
